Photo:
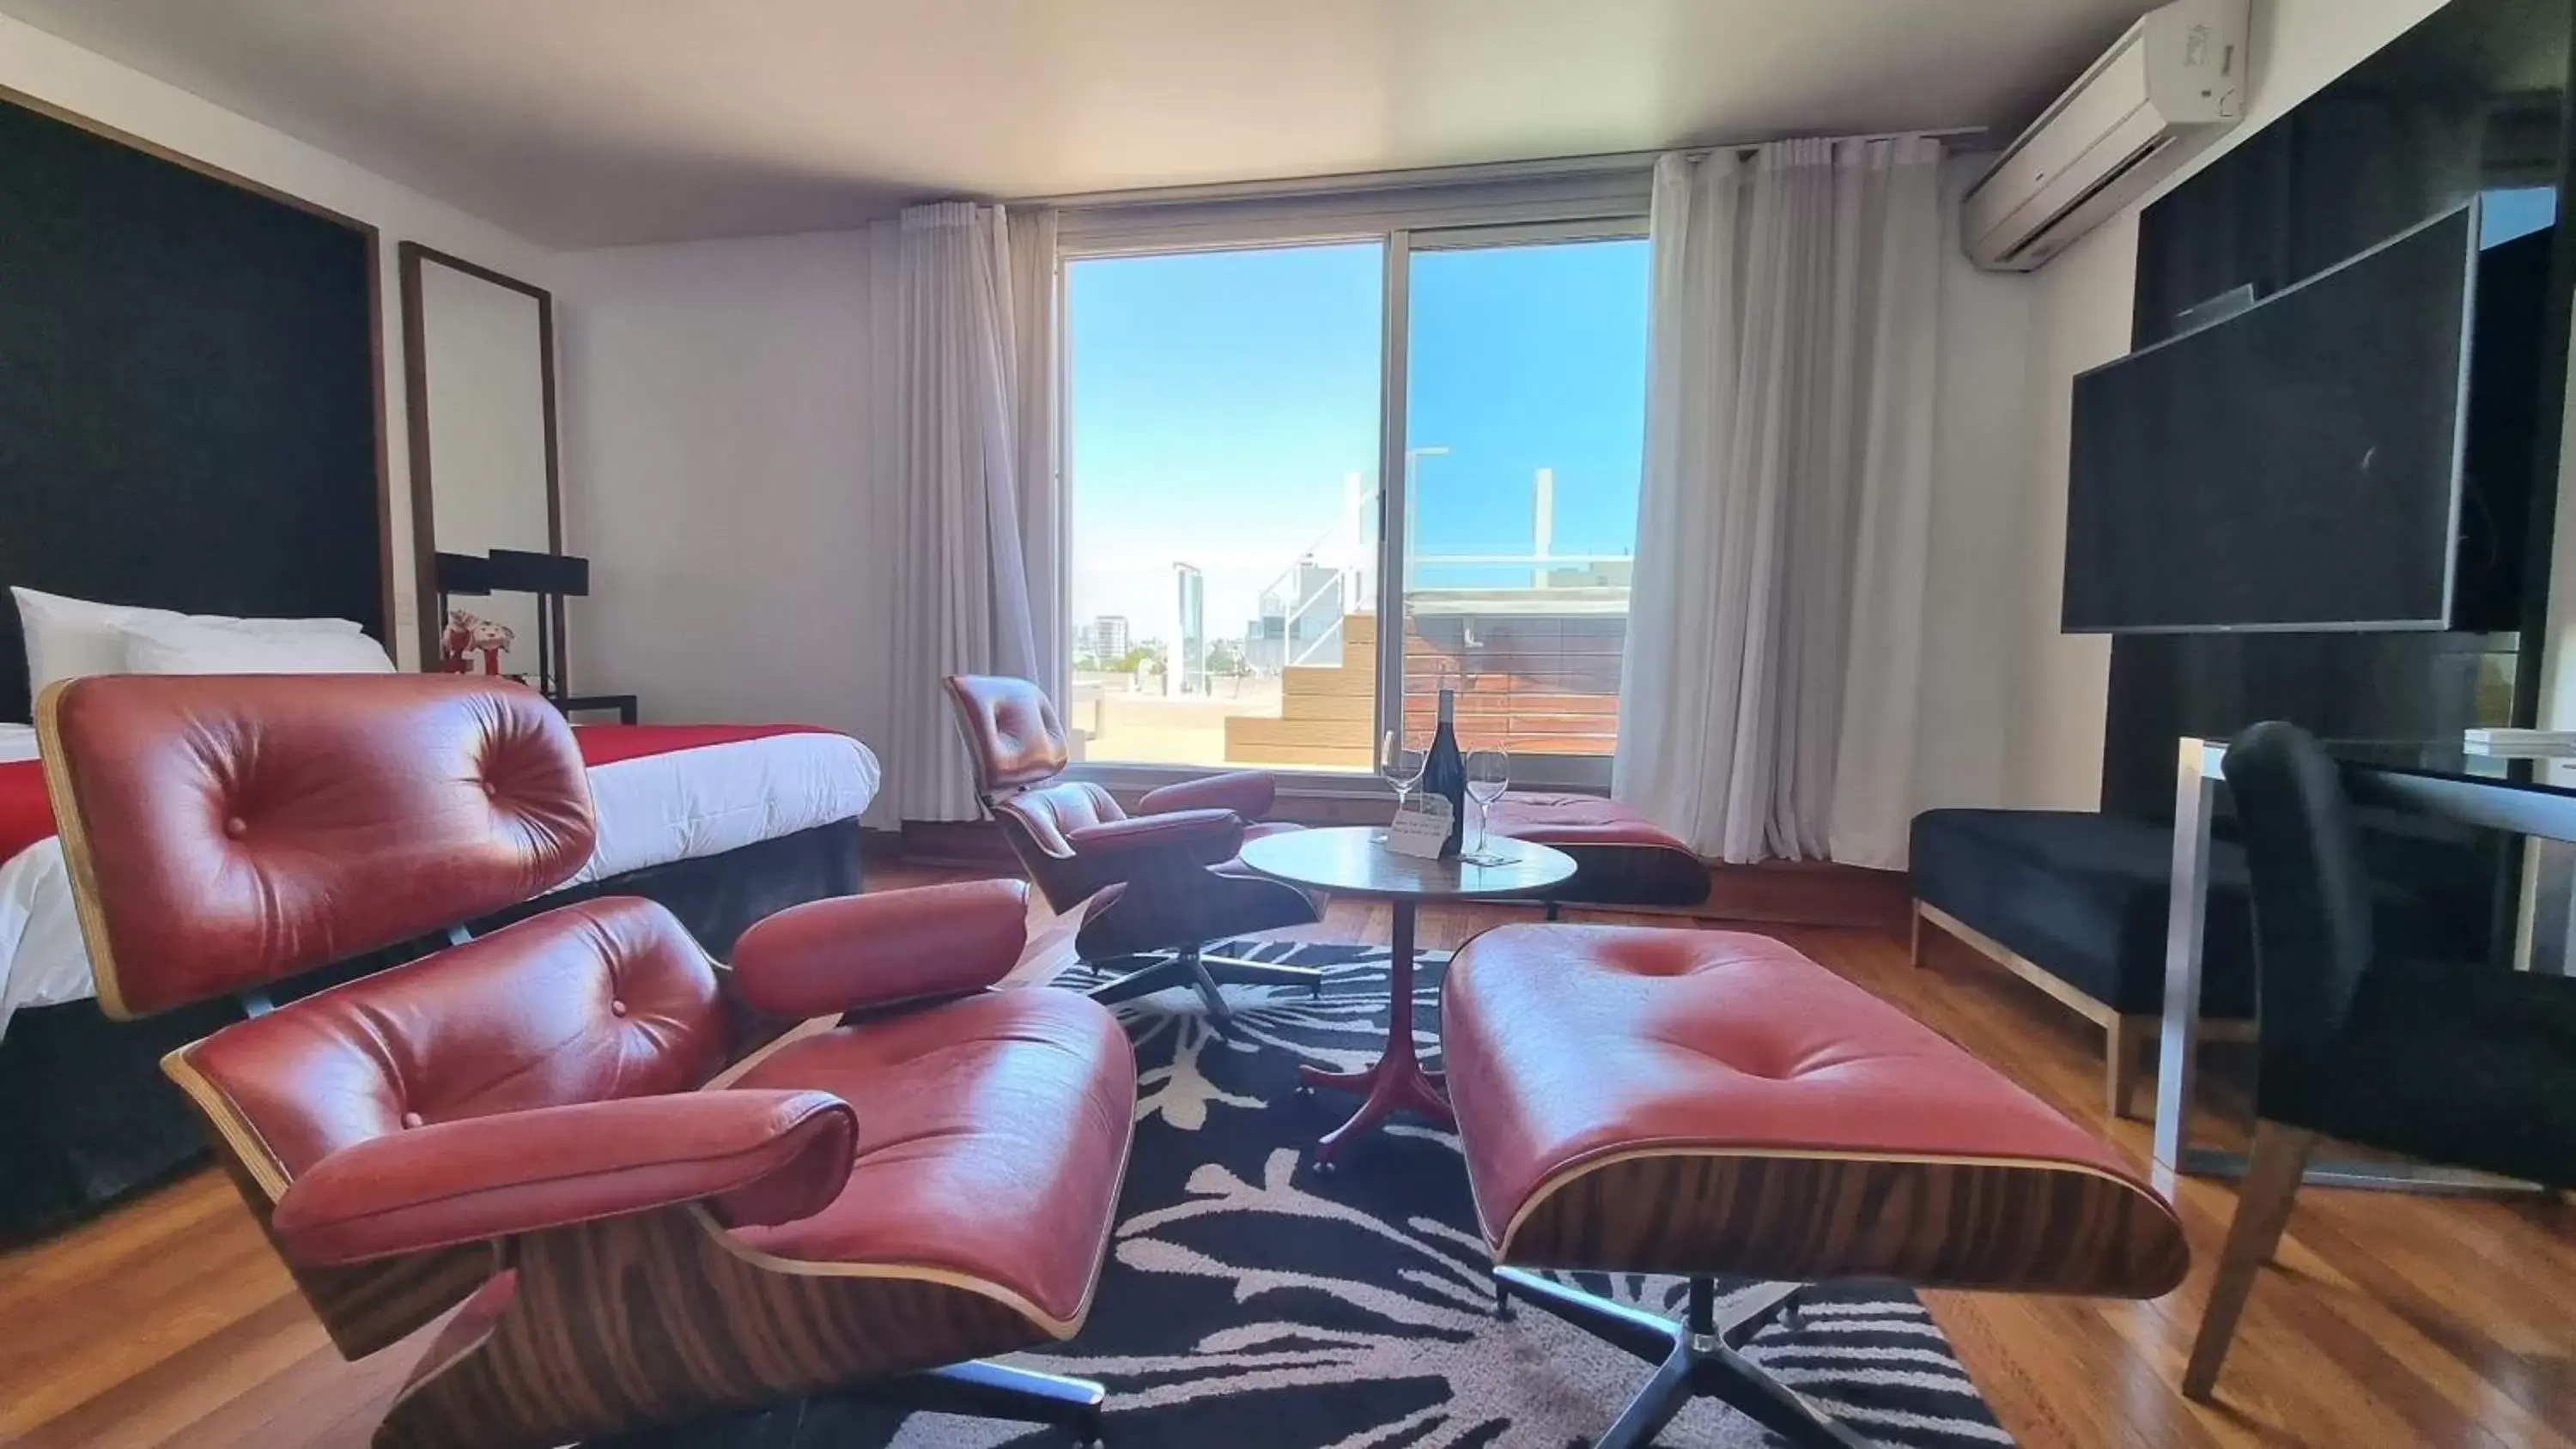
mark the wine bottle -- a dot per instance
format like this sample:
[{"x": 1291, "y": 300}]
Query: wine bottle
[{"x": 1444, "y": 773}]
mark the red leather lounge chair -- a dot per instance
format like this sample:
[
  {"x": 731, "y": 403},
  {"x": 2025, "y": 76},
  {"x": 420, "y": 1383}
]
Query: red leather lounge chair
[
  {"x": 554, "y": 1124},
  {"x": 1175, "y": 859}
]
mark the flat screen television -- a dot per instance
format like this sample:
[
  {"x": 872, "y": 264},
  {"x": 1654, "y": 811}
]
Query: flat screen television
[{"x": 2295, "y": 466}]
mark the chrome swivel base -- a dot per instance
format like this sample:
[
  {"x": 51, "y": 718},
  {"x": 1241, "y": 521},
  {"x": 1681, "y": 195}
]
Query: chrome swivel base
[
  {"x": 986, "y": 1390},
  {"x": 1697, "y": 1357},
  {"x": 1196, "y": 969},
  {"x": 978, "y": 1389}
]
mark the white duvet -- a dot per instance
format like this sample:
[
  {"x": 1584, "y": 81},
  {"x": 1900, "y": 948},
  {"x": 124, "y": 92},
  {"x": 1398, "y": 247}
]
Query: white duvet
[{"x": 652, "y": 810}]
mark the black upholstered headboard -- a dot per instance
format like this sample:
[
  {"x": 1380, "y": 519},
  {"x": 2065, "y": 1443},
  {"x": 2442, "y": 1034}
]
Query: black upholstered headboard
[{"x": 189, "y": 389}]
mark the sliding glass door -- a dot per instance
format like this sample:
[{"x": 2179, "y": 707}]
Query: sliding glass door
[
  {"x": 1524, "y": 428},
  {"x": 1306, "y": 483},
  {"x": 1223, "y": 426}
]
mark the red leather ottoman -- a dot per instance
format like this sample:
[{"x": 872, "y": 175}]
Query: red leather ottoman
[
  {"x": 1704, "y": 1103},
  {"x": 1621, "y": 858}
]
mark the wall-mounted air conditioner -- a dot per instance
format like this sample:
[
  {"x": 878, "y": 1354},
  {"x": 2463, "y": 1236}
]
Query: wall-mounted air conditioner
[{"x": 2175, "y": 79}]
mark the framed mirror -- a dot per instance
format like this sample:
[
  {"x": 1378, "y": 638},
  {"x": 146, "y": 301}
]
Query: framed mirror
[{"x": 479, "y": 378}]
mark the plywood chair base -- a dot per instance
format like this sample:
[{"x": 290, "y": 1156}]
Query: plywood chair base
[{"x": 712, "y": 1328}]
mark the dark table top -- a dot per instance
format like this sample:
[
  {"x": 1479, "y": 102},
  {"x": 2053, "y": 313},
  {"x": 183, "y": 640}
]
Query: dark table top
[
  {"x": 2443, "y": 759},
  {"x": 2442, "y": 779},
  {"x": 1344, "y": 860}
]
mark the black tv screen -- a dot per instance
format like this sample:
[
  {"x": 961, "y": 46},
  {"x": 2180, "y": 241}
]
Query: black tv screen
[{"x": 2294, "y": 467}]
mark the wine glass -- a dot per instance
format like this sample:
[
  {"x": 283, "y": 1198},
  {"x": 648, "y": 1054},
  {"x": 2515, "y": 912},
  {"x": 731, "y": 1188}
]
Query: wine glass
[
  {"x": 1489, "y": 774},
  {"x": 1400, "y": 768}
]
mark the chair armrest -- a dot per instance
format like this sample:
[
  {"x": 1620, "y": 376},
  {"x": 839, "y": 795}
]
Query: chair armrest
[
  {"x": 1206, "y": 837},
  {"x": 764, "y": 1157},
  {"x": 852, "y": 952},
  {"x": 1248, "y": 793}
]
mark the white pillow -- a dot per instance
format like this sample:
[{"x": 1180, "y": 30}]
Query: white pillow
[
  {"x": 237, "y": 646},
  {"x": 67, "y": 638}
]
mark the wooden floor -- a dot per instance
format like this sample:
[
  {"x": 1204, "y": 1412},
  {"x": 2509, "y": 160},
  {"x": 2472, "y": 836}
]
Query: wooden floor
[{"x": 2388, "y": 1321}]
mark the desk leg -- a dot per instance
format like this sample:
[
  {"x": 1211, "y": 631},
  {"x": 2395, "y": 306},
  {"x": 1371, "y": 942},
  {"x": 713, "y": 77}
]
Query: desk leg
[
  {"x": 1397, "y": 1083},
  {"x": 2195, "y": 797}
]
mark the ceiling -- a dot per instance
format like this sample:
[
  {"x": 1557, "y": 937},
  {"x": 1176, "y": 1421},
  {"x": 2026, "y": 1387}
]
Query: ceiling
[{"x": 595, "y": 122}]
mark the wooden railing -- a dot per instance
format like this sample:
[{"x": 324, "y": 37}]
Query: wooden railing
[{"x": 1534, "y": 683}]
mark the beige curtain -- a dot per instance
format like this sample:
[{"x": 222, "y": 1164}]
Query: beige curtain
[
  {"x": 1775, "y": 637},
  {"x": 960, "y": 427}
]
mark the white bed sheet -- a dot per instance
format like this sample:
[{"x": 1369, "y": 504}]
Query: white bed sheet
[{"x": 652, "y": 810}]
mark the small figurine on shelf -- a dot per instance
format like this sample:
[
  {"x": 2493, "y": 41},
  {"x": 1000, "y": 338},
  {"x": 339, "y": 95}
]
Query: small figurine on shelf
[
  {"x": 454, "y": 640},
  {"x": 466, "y": 633}
]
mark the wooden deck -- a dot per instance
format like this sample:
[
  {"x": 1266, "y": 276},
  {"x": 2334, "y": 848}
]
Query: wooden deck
[{"x": 1535, "y": 684}]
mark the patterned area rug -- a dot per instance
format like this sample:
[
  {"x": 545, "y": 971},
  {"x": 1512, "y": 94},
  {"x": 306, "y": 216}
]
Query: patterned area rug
[{"x": 1252, "y": 1303}]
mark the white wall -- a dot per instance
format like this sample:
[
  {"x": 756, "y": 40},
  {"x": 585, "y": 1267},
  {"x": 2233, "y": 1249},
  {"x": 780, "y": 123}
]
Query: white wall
[
  {"x": 2080, "y": 315},
  {"x": 1980, "y": 461},
  {"x": 711, "y": 469},
  {"x": 2082, "y": 308},
  {"x": 59, "y": 73},
  {"x": 713, "y": 455}
]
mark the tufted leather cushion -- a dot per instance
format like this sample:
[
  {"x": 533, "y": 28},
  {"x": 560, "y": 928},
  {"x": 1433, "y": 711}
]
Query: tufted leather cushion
[
  {"x": 1705, "y": 1102},
  {"x": 1180, "y": 884},
  {"x": 1052, "y": 815},
  {"x": 1248, "y": 793},
  {"x": 224, "y": 832},
  {"x": 1012, "y": 733},
  {"x": 1552, "y": 818},
  {"x": 608, "y": 998},
  {"x": 1008, "y": 1112},
  {"x": 1210, "y": 837},
  {"x": 874, "y": 951},
  {"x": 1620, "y": 856}
]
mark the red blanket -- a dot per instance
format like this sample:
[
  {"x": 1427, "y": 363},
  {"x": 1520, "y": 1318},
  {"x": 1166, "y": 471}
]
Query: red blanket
[
  {"x": 608, "y": 744},
  {"x": 26, "y": 818}
]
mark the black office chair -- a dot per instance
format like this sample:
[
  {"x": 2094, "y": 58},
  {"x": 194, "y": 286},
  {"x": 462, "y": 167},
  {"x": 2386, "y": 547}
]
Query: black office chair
[{"x": 2454, "y": 1062}]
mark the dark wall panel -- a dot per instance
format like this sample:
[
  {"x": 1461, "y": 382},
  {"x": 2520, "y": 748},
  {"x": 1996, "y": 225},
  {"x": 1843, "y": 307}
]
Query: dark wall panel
[
  {"x": 188, "y": 413},
  {"x": 2471, "y": 99}
]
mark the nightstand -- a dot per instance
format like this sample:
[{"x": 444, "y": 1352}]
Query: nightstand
[{"x": 624, "y": 704}]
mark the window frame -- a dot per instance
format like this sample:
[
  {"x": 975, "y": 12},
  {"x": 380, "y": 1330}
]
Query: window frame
[{"x": 1611, "y": 207}]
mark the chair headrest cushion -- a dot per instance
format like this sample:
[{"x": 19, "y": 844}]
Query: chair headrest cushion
[
  {"x": 1012, "y": 733},
  {"x": 224, "y": 832}
]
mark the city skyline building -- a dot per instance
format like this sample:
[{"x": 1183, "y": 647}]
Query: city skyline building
[
  {"x": 1192, "y": 663},
  {"x": 1106, "y": 637}
]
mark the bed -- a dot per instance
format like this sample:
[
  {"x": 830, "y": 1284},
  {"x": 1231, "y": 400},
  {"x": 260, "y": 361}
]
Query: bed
[
  {"x": 158, "y": 513},
  {"x": 722, "y": 823}
]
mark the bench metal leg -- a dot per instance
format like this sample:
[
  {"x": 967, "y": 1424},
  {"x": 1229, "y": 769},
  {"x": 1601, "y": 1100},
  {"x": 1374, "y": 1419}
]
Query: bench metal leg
[
  {"x": 2125, "y": 1053},
  {"x": 983, "y": 1389}
]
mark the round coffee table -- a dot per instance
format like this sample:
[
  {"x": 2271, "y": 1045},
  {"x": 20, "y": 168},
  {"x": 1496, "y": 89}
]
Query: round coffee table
[{"x": 1351, "y": 861}]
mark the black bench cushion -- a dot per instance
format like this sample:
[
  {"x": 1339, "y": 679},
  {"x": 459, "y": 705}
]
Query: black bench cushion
[{"x": 2085, "y": 896}]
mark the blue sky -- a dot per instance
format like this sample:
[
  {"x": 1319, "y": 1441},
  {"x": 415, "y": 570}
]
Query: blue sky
[{"x": 1224, "y": 411}]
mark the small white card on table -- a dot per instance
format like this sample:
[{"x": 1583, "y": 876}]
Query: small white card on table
[{"x": 1420, "y": 828}]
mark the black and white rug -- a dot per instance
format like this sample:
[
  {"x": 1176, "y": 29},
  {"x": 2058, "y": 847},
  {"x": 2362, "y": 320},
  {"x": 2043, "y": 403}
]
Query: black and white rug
[{"x": 1252, "y": 1303}]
